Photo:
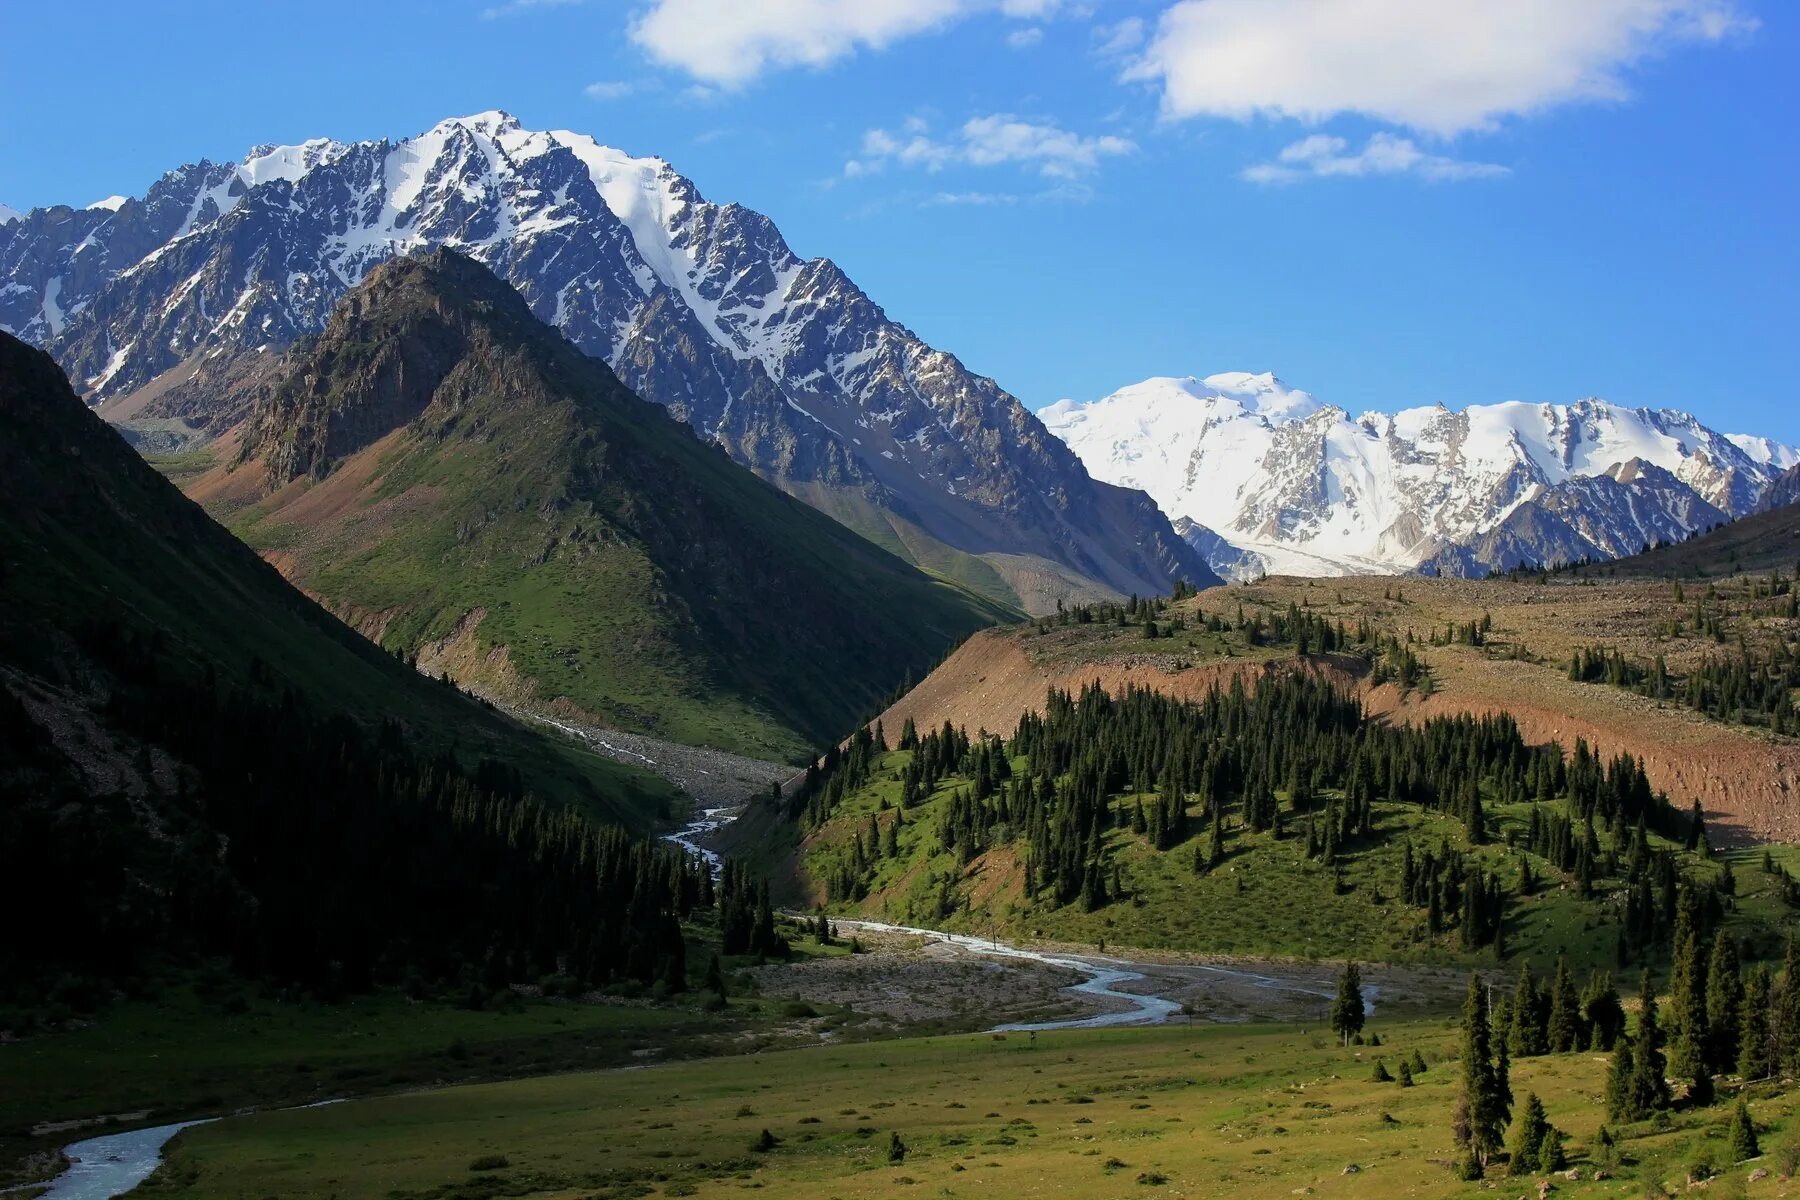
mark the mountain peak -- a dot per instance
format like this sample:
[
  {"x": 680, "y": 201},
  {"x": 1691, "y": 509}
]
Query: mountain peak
[
  {"x": 1304, "y": 487},
  {"x": 491, "y": 123},
  {"x": 700, "y": 307}
]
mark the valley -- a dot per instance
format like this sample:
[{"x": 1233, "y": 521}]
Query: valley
[{"x": 518, "y": 682}]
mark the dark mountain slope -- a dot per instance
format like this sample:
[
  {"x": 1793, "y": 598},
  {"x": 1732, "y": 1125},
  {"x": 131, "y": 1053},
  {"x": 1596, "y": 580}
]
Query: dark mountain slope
[
  {"x": 450, "y": 473},
  {"x": 195, "y": 759},
  {"x": 1760, "y": 543}
]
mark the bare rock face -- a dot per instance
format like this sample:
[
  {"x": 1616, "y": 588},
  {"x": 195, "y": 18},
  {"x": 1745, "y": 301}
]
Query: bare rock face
[{"x": 700, "y": 307}]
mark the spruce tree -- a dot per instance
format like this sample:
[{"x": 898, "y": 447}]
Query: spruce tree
[
  {"x": 1347, "y": 1011},
  {"x": 1528, "y": 1136},
  {"x": 1649, "y": 1086},
  {"x": 1756, "y": 1058},
  {"x": 1785, "y": 1012},
  {"x": 1742, "y": 1133},
  {"x": 1526, "y": 1036},
  {"x": 1476, "y": 1119},
  {"x": 1551, "y": 1157},
  {"x": 1563, "y": 1031},
  {"x": 1724, "y": 1003},
  {"x": 1620, "y": 1104}
]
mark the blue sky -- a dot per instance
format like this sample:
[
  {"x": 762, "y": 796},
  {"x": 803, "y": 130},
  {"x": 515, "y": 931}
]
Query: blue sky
[{"x": 1388, "y": 202}]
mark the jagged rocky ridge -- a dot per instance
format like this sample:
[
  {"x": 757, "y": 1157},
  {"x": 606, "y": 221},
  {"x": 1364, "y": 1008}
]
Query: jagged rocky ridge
[
  {"x": 1263, "y": 477},
  {"x": 170, "y": 306}
]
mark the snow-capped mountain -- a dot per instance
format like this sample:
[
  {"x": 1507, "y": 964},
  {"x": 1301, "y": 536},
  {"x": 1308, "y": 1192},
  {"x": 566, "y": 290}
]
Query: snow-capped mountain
[
  {"x": 170, "y": 304},
  {"x": 1266, "y": 477}
]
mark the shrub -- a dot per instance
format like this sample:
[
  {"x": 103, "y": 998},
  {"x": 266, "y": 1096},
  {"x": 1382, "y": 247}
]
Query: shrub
[
  {"x": 1380, "y": 1074},
  {"x": 896, "y": 1148},
  {"x": 490, "y": 1162},
  {"x": 765, "y": 1142}
]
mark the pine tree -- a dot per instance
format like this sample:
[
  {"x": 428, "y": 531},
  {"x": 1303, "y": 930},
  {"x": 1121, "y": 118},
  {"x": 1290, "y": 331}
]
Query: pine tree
[
  {"x": 1476, "y": 1119},
  {"x": 1785, "y": 1012},
  {"x": 1551, "y": 1157},
  {"x": 1742, "y": 1133},
  {"x": 1620, "y": 1104},
  {"x": 1649, "y": 1087},
  {"x": 1528, "y": 1136},
  {"x": 1563, "y": 1029},
  {"x": 1347, "y": 1011},
  {"x": 1724, "y": 1002},
  {"x": 1406, "y": 1073},
  {"x": 1756, "y": 1057},
  {"x": 1526, "y": 1036}
]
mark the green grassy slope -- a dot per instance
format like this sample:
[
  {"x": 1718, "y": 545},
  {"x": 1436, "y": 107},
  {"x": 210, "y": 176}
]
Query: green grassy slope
[
  {"x": 94, "y": 543},
  {"x": 1266, "y": 898},
  {"x": 440, "y": 458}
]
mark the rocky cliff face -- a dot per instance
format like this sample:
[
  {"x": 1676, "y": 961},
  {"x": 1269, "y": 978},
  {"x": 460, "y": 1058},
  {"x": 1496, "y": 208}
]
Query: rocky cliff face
[
  {"x": 1780, "y": 493},
  {"x": 701, "y": 307},
  {"x": 1268, "y": 478}
]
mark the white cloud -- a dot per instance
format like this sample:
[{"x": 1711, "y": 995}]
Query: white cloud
[
  {"x": 972, "y": 199},
  {"x": 1024, "y": 39},
  {"x": 730, "y": 42},
  {"x": 513, "y": 8},
  {"x": 608, "y": 89},
  {"x": 1116, "y": 41},
  {"x": 987, "y": 141},
  {"x": 1441, "y": 66},
  {"x": 1323, "y": 156}
]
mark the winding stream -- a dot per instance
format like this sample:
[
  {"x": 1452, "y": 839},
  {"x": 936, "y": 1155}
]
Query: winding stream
[
  {"x": 1140, "y": 1009},
  {"x": 108, "y": 1166}
]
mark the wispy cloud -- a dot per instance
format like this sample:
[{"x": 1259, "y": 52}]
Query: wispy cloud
[
  {"x": 987, "y": 141},
  {"x": 1433, "y": 65},
  {"x": 609, "y": 89},
  {"x": 1024, "y": 39},
  {"x": 514, "y": 8},
  {"x": 1322, "y": 156},
  {"x": 1119, "y": 39}
]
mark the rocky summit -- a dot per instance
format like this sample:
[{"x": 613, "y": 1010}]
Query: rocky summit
[{"x": 168, "y": 307}]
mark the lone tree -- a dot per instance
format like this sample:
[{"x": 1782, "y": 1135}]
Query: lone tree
[
  {"x": 1347, "y": 1010},
  {"x": 1480, "y": 1110}
]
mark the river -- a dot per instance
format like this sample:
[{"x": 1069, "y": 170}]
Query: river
[
  {"x": 1102, "y": 976},
  {"x": 108, "y": 1166}
]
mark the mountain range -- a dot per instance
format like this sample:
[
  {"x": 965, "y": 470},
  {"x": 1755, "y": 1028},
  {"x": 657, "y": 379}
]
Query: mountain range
[
  {"x": 1262, "y": 477},
  {"x": 456, "y": 479},
  {"x": 168, "y": 309}
]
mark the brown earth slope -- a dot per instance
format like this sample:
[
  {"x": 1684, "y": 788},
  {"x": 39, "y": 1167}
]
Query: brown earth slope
[{"x": 1745, "y": 779}]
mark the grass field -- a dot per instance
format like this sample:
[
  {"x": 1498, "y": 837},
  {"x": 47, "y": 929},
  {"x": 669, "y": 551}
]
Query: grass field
[
  {"x": 1172, "y": 1111},
  {"x": 208, "y": 1045}
]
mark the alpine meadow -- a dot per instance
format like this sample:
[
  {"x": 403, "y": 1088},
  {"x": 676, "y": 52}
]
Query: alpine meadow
[{"x": 533, "y": 668}]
